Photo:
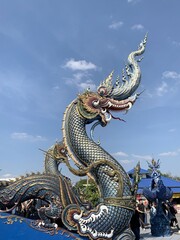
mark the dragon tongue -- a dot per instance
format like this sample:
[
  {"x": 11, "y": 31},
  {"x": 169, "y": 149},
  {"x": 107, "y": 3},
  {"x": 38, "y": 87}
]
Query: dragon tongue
[{"x": 117, "y": 118}]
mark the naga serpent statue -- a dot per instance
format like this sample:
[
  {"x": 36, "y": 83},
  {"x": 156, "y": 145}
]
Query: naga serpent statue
[{"x": 111, "y": 217}]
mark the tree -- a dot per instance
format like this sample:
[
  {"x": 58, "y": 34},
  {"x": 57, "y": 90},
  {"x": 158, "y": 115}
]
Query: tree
[
  {"x": 88, "y": 191},
  {"x": 170, "y": 176}
]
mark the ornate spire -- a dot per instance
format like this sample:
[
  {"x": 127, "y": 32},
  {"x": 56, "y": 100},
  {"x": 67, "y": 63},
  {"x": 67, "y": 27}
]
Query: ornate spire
[{"x": 131, "y": 77}]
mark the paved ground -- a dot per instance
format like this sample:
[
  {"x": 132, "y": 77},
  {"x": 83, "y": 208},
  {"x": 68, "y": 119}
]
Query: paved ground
[{"x": 146, "y": 234}]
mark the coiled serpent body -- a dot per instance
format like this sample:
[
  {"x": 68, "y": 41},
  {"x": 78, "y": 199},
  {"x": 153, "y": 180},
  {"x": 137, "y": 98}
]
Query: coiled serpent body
[{"x": 113, "y": 181}]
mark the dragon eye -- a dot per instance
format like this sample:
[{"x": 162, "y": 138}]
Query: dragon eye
[
  {"x": 102, "y": 91},
  {"x": 95, "y": 103},
  {"x": 103, "y": 111},
  {"x": 62, "y": 150}
]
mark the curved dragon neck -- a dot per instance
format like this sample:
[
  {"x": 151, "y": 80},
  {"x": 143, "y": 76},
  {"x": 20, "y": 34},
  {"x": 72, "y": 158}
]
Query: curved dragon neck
[
  {"x": 110, "y": 176},
  {"x": 50, "y": 164}
]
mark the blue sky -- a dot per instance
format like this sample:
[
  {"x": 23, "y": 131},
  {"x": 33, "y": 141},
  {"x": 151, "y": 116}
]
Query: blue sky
[{"x": 52, "y": 50}]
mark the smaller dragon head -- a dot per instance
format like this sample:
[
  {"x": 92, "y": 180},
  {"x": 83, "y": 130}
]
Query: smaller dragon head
[{"x": 58, "y": 152}]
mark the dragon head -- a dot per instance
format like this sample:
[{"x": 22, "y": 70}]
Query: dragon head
[
  {"x": 93, "y": 106},
  {"x": 58, "y": 152},
  {"x": 113, "y": 97}
]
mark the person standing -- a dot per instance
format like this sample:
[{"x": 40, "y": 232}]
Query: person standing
[
  {"x": 135, "y": 224},
  {"x": 172, "y": 215},
  {"x": 141, "y": 210}
]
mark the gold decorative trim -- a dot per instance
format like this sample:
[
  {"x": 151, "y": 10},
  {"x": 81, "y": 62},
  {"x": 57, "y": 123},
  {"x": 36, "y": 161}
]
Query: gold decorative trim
[{"x": 128, "y": 202}]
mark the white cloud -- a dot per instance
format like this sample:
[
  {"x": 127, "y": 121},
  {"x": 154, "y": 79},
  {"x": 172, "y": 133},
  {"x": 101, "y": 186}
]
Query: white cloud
[
  {"x": 80, "y": 75},
  {"x": 169, "y": 154},
  {"x": 116, "y": 25},
  {"x": 143, "y": 157},
  {"x": 120, "y": 154},
  {"x": 162, "y": 89},
  {"x": 126, "y": 161},
  {"x": 81, "y": 78},
  {"x": 133, "y": 1},
  {"x": 82, "y": 81},
  {"x": 80, "y": 65},
  {"x": 87, "y": 85},
  {"x": 165, "y": 87},
  {"x": 26, "y": 137},
  {"x": 137, "y": 27},
  {"x": 7, "y": 175},
  {"x": 171, "y": 74}
]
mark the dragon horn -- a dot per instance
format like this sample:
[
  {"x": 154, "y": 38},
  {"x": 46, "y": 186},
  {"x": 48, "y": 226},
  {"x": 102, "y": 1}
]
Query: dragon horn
[
  {"x": 108, "y": 80},
  {"x": 127, "y": 88},
  {"x": 107, "y": 83}
]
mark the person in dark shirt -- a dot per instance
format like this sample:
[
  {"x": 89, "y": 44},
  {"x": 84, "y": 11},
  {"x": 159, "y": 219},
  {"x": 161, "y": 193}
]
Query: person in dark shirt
[{"x": 135, "y": 224}]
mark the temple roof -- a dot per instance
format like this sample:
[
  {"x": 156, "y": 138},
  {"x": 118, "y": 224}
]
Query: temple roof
[
  {"x": 146, "y": 181},
  {"x": 142, "y": 171}
]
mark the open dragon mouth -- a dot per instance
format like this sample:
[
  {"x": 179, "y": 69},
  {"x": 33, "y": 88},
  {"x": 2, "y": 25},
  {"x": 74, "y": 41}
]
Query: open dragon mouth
[
  {"x": 105, "y": 106},
  {"x": 115, "y": 105},
  {"x": 111, "y": 105}
]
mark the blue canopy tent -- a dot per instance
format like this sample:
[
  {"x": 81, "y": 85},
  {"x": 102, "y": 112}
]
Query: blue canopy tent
[{"x": 146, "y": 182}]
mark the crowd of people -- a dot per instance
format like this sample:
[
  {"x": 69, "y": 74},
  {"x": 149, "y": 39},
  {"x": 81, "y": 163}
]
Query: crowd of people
[
  {"x": 170, "y": 211},
  {"x": 139, "y": 218}
]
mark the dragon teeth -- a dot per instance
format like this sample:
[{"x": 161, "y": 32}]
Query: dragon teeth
[{"x": 95, "y": 233}]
